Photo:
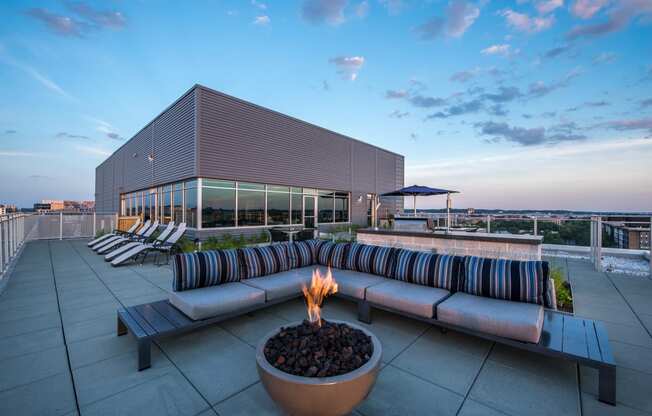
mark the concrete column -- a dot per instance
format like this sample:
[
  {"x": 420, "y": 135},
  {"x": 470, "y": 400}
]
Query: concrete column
[
  {"x": 61, "y": 226},
  {"x": 488, "y": 223},
  {"x": 536, "y": 226}
]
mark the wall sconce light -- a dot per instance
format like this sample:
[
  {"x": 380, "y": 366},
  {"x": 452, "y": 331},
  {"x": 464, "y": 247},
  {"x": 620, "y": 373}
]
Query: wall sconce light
[
  {"x": 360, "y": 199},
  {"x": 150, "y": 157},
  {"x": 135, "y": 155}
]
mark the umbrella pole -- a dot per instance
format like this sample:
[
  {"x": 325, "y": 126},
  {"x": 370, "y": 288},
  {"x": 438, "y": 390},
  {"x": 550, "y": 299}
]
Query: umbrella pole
[
  {"x": 448, "y": 212},
  {"x": 415, "y": 204}
]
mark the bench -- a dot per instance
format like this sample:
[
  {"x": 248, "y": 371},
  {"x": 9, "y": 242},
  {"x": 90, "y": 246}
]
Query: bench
[{"x": 526, "y": 326}]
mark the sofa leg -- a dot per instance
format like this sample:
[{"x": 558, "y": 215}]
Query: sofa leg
[
  {"x": 122, "y": 328},
  {"x": 144, "y": 354},
  {"x": 607, "y": 385},
  {"x": 364, "y": 312}
]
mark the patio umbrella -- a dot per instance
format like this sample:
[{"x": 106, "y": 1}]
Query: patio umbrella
[{"x": 416, "y": 190}]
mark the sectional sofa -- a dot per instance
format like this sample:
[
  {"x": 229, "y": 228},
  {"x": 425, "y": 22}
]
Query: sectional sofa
[{"x": 506, "y": 301}]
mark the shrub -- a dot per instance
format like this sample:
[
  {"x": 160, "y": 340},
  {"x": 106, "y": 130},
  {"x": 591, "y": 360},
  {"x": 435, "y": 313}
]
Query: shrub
[{"x": 562, "y": 289}]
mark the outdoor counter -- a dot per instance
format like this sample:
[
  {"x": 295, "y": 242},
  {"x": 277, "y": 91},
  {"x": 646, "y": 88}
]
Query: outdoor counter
[{"x": 515, "y": 247}]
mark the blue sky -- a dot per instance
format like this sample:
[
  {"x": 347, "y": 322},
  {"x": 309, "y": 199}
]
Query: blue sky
[{"x": 531, "y": 104}]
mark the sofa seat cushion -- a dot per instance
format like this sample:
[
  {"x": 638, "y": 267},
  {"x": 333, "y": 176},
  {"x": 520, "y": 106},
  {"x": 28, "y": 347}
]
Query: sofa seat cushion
[
  {"x": 406, "y": 297},
  {"x": 211, "y": 301},
  {"x": 519, "y": 281},
  {"x": 282, "y": 284},
  {"x": 205, "y": 268},
  {"x": 515, "y": 320},
  {"x": 352, "y": 283}
]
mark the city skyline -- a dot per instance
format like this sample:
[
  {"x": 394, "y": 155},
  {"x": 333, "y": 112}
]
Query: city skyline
[{"x": 531, "y": 105}]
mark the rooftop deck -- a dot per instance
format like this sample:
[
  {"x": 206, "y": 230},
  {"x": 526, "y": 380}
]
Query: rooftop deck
[{"x": 59, "y": 353}]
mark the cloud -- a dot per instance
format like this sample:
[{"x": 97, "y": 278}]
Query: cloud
[
  {"x": 90, "y": 19},
  {"x": 646, "y": 103},
  {"x": 362, "y": 9},
  {"x": 601, "y": 103},
  {"x": 585, "y": 9},
  {"x": 547, "y": 6},
  {"x": 604, "y": 58},
  {"x": 557, "y": 51},
  {"x": 37, "y": 76},
  {"x": 463, "y": 76},
  {"x": 259, "y": 5},
  {"x": 106, "y": 128},
  {"x": 39, "y": 177},
  {"x": 458, "y": 18},
  {"x": 523, "y": 136},
  {"x": 540, "y": 88},
  {"x": 261, "y": 20},
  {"x": 12, "y": 153},
  {"x": 414, "y": 137},
  {"x": 503, "y": 95},
  {"x": 10, "y": 131},
  {"x": 472, "y": 106},
  {"x": 629, "y": 124},
  {"x": 114, "y": 136},
  {"x": 325, "y": 85},
  {"x": 524, "y": 23},
  {"x": 97, "y": 151},
  {"x": 423, "y": 101},
  {"x": 394, "y": 94},
  {"x": 617, "y": 18},
  {"x": 64, "y": 135},
  {"x": 392, "y": 6},
  {"x": 398, "y": 114},
  {"x": 323, "y": 11},
  {"x": 502, "y": 49},
  {"x": 348, "y": 66}
]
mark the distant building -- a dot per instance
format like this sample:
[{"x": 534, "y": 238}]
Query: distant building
[
  {"x": 48, "y": 205},
  {"x": 629, "y": 237},
  {"x": 55, "y": 205},
  {"x": 42, "y": 207},
  {"x": 7, "y": 209},
  {"x": 470, "y": 211}
]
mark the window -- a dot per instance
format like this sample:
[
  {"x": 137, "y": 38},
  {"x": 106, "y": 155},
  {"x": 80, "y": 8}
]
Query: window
[
  {"x": 218, "y": 207},
  {"x": 341, "y": 207},
  {"x": 146, "y": 206},
  {"x": 190, "y": 197},
  {"x": 167, "y": 207},
  {"x": 278, "y": 205},
  {"x": 325, "y": 205},
  {"x": 251, "y": 205},
  {"x": 297, "y": 208},
  {"x": 178, "y": 203}
]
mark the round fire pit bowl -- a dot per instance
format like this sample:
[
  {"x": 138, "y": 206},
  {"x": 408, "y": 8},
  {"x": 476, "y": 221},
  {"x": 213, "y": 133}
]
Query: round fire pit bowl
[{"x": 318, "y": 396}]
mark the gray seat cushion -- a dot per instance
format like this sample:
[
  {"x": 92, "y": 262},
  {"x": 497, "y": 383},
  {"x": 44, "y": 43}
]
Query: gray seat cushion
[
  {"x": 210, "y": 301},
  {"x": 352, "y": 283},
  {"x": 280, "y": 285},
  {"x": 515, "y": 320},
  {"x": 407, "y": 297}
]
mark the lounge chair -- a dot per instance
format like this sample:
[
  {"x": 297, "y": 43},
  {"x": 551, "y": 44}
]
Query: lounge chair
[
  {"x": 166, "y": 247},
  {"x": 124, "y": 240},
  {"x": 115, "y": 233},
  {"x": 126, "y": 247},
  {"x": 140, "y": 231}
]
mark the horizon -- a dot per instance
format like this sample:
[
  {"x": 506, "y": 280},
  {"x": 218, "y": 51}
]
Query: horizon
[{"x": 496, "y": 100}]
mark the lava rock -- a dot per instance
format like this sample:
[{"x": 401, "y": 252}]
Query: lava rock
[{"x": 310, "y": 350}]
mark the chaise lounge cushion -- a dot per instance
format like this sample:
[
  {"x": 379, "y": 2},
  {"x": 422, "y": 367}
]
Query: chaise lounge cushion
[
  {"x": 262, "y": 261},
  {"x": 205, "y": 268},
  {"x": 407, "y": 297},
  {"x": 282, "y": 284},
  {"x": 519, "y": 281},
  {"x": 212, "y": 301},
  {"x": 428, "y": 269},
  {"x": 369, "y": 259},
  {"x": 515, "y": 320},
  {"x": 354, "y": 284}
]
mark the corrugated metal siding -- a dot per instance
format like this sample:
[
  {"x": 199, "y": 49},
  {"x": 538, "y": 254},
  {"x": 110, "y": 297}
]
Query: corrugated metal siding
[{"x": 238, "y": 140}]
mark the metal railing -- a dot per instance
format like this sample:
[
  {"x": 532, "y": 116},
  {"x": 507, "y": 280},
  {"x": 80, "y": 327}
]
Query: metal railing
[{"x": 16, "y": 229}]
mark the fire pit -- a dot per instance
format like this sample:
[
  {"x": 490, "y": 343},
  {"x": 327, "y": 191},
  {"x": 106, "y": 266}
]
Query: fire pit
[{"x": 318, "y": 367}]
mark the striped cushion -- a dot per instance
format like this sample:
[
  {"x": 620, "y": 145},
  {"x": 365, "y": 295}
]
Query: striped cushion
[
  {"x": 428, "y": 269},
  {"x": 369, "y": 259},
  {"x": 315, "y": 244},
  {"x": 205, "y": 268},
  {"x": 332, "y": 254},
  {"x": 300, "y": 254},
  {"x": 522, "y": 281},
  {"x": 261, "y": 261}
]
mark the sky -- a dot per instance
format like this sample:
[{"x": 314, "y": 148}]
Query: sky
[{"x": 532, "y": 104}]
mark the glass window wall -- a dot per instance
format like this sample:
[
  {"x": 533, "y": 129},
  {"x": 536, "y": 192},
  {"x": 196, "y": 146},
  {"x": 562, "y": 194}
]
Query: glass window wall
[{"x": 278, "y": 205}]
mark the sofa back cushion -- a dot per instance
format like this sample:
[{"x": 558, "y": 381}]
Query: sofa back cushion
[
  {"x": 300, "y": 254},
  {"x": 521, "y": 281},
  {"x": 428, "y": 269},
  {"x": 369, "y": 259},
  {"x": 205, "y": 268},
  {"x": 332, "y": 254},
  {"x": 261, "y": 261},
  {"x": 315, "y": 244}
]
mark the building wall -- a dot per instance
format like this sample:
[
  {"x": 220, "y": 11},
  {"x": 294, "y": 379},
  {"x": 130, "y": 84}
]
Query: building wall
[
  {"x": 169, "y": 139},
  {"x": 209, "y": 134},
  {"x": 241, "y": 141}
]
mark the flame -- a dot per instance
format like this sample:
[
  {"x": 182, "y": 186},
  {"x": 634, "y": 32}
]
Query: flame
[{"x": 320, "y": 288}]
